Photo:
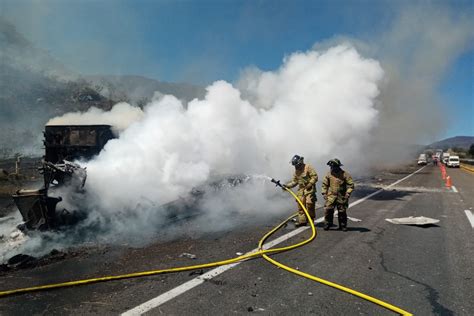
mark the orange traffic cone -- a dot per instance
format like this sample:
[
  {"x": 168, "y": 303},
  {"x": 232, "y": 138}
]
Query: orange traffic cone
[{"x": 448, "y": 182}]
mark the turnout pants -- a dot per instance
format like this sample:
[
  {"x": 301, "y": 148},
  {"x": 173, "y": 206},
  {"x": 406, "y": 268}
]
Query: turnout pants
[
  {"x": 341, "y": 214},
  {"x": 309, "y": 201}
]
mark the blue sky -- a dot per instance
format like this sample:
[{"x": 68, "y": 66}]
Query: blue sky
[{"x": 207, "y": 40}]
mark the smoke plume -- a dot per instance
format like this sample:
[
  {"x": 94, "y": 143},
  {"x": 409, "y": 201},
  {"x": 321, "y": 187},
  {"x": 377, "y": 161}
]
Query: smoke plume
[
  {"x": 121, "y": 116},
  {"x": 324, "y": 103},
  {"x": 416, "y": 53},
  {"x": 317, "y": 104}
]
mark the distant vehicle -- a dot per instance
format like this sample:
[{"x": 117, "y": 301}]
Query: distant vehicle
[
  {"x": 453, "y": 162},
  {"x": 422, "y": 160},
  {"x": 445, "y": 157},
  {"x": 426, "y": 156}
]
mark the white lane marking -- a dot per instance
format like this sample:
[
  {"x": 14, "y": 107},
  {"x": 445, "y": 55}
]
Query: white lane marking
[
  {"x": 470, "y": 217},
  {"x": 454, "y": 189},
  {"x": 403, "y": 188},
  {"x": 167, "y": 296},
  {"x": 385, "y": 188},
  {"x": 354, "y": 219}
]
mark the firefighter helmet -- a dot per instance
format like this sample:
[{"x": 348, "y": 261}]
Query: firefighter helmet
[
  {"x": 296, "y": 160},
  {"x": 334, "y": 163}
]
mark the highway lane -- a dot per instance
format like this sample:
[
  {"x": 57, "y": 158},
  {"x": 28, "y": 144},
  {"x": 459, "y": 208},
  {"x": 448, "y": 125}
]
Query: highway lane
[{"x": 423, "y": 270}]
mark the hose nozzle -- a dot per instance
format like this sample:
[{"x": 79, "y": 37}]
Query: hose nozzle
[{"x": 277, "y": 183}]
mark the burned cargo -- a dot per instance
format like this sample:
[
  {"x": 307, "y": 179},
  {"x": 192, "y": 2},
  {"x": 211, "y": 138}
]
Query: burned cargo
[
  {"x": 63, "y": 144},
  {"x": 73, "y": 142}
]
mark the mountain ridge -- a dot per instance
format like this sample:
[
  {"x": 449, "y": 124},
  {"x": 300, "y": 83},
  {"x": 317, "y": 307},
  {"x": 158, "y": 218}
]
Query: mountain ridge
[
  {"x": 35, "y": 87},
  {"x": 457, "y": 141},
  {"x": 138, "y": 89}
]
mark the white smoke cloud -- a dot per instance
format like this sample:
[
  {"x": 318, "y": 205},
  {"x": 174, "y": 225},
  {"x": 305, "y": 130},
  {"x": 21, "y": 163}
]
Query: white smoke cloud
[
  {"x": 322, "y": 103},
  {"x": 318, "y": 104},
  {"x": 121, "y": 116}
]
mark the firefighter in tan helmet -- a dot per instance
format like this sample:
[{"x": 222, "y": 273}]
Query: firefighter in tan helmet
[
  {"x": 336, "y": 189},
  {"x": 305, "y": 177}
]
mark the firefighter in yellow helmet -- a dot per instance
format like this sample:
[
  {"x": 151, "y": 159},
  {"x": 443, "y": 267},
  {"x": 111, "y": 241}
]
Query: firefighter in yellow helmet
[
  {"x": 336, "y": 189},
  {"x": 305, "y": 177}
]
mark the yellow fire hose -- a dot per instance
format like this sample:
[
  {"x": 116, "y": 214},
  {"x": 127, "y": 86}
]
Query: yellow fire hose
[
  {"x": 325, "y": 282},
  {"x": 260, "y": 252}
]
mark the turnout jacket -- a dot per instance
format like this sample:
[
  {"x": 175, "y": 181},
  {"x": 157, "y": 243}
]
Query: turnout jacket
[
  {"x": 301, "y": 178},
  {"x": 336, "y": 185}
]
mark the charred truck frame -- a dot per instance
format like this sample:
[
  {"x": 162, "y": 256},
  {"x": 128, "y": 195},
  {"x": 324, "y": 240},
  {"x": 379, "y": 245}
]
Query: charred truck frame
[{"x": 63, "y": 145}]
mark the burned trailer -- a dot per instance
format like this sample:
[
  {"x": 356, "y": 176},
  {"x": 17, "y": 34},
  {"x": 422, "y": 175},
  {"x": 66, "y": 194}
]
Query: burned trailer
[
  {"x": 72, "y": 142},
  {"x": 63, "y": 144}
]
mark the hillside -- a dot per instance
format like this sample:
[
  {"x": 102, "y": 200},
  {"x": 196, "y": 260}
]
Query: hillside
[
  {"x": 18, "y": 52},
  {"x": 35, "y": 87},
  {"x": 459, "y": 141},
  {"x": 138, "y": 89},
  {"x": 28, "y": 99}
]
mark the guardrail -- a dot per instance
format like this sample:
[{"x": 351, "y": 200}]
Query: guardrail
[{"x": 467, "y": 161}]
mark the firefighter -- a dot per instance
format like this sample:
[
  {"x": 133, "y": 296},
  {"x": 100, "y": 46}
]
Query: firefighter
[
  {"x": 305, "y": 177},
  {"x": 336, "y": 189}
]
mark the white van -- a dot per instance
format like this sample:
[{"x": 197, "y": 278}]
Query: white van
[
  {"x": 453, "y": 162},
  {"x": 422, "y": 160}
]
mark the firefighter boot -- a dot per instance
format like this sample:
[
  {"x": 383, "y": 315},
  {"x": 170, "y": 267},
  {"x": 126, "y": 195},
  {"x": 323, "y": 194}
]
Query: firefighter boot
[
  {"x": 328, "y": 218},
  {"x": 302, "y": 221},
  {"x": 342, "y": 218}
]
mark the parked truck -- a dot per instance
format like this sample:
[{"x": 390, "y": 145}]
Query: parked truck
[{"x": 445, "y": 157}]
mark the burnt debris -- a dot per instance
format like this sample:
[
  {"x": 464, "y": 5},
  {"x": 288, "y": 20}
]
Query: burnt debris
[{"x": 63, "y": 144}]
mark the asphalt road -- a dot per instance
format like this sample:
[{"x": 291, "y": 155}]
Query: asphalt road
[{"x": 423, "y": 270}]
